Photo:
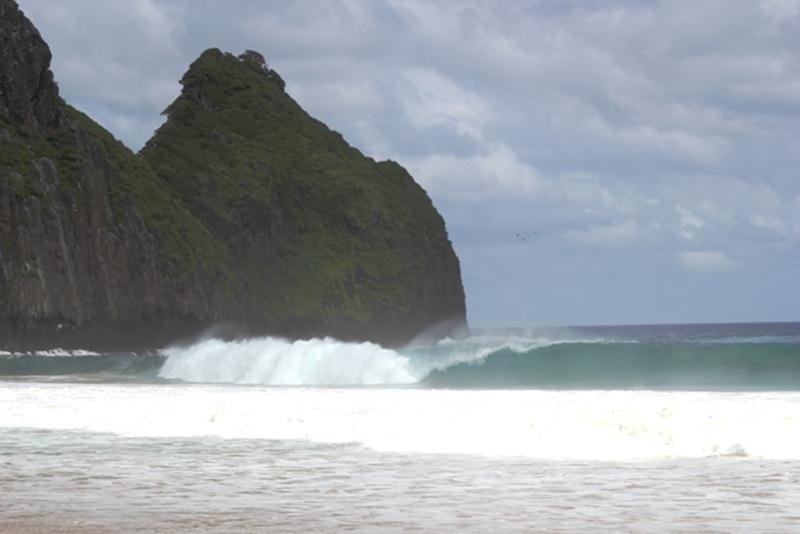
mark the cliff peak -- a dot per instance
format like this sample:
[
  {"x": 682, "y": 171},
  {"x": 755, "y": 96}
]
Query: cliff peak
[
  {"x": 224, "y": 68},
  {"x": 28, "y": 94},
  {"x": 338, "y": 244}
]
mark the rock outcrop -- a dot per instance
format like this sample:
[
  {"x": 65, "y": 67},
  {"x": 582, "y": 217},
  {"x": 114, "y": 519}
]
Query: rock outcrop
[{"x": 241, "y": 210}]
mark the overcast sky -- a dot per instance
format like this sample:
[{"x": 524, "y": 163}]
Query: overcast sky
[{"x": 596, "y": 162}]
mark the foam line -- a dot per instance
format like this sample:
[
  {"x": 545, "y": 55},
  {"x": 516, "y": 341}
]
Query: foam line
[{"x": 592, "y": 425}]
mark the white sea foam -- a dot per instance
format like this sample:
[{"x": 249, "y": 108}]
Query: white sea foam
[
  {"x": 591, "y": 425},
  {"x": 67, "y": 353},
  {"x": 274, "y": 361},
  {"x": 52, "y": 353}
]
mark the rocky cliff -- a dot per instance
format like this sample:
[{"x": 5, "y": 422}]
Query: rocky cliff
[
  {"x": 241, "y": 210},
  {"x": 93, "y": 249}
]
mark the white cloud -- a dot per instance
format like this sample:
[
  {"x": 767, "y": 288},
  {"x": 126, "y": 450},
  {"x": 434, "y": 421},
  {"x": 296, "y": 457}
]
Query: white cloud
[
  {"x": 689, "y": 223},
  {"x": 781, "y": 9},
  {"x": 704, "y": 261},
  {"x": 610, "y": 236},
  {"x": 771, "y": 224},
  {"x": 352, "y": 92},
  {"x": 693, "y": 147},
  {"x": 433, "y": 99},
  {"x": 498, "y": 172}
]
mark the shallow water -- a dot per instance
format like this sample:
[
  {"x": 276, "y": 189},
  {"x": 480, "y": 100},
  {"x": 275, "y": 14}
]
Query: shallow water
[
  {"x": 112, "y": 457},
  {"x": 95, "y": 482}
]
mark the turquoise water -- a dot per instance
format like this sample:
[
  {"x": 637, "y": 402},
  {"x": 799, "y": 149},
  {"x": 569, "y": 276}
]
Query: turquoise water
[{"x": 603, "y": 365}]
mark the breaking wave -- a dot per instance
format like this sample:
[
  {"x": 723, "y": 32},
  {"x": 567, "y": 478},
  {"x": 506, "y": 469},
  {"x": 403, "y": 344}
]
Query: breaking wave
[
  {"x": 274, "y": 361},
  {"x": 479, "y": 362}
]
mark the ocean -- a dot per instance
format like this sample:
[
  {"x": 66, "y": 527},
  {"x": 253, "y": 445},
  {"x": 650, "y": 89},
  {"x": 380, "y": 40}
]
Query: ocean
[{"x": 668, "y": 428}]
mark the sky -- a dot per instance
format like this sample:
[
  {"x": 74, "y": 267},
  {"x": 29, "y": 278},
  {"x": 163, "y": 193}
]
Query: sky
[{"x": 596, "y": 162}]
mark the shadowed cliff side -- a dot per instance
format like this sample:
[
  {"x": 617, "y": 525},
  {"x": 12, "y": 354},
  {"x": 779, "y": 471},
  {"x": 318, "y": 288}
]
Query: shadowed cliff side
[
  {"x": 256, "y": 215},
  {"x": 93, "y": 250}
]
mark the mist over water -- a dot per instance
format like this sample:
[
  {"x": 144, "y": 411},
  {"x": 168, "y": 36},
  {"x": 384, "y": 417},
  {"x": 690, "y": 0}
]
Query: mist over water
[{"x": 232, "y": 486}]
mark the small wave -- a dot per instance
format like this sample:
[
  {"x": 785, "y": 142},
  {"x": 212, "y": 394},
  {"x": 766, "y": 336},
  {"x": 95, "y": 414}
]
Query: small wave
[
  {"x": 58, "y": 362},
  {"x": 274, "y": 361},
  {"x": 753, "y": 340},
  {"x": 476, "y": 350}
]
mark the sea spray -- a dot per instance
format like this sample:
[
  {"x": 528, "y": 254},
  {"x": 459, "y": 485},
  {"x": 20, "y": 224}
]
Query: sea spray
[{"x": 473, "y": 351}]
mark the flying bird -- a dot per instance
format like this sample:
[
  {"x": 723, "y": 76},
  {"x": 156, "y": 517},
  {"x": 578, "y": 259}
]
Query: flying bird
[{"x": 522, "y": 237}]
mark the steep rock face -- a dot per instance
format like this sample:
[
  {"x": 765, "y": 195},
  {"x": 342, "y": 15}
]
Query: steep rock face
[
  {"x": 242, "y": 209},
  {"x": 333, "y": 242},
  {"x": 93, "y": 251},
  {"x": 27, "y": 91}
]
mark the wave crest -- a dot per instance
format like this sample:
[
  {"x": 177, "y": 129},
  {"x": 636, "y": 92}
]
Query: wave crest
[{"x": 274, "y": 361}]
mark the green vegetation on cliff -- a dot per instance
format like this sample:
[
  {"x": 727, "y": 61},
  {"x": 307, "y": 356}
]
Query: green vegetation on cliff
[
  {"x": 348, "y": 241},
  {"x": 186, "y": 244}
]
